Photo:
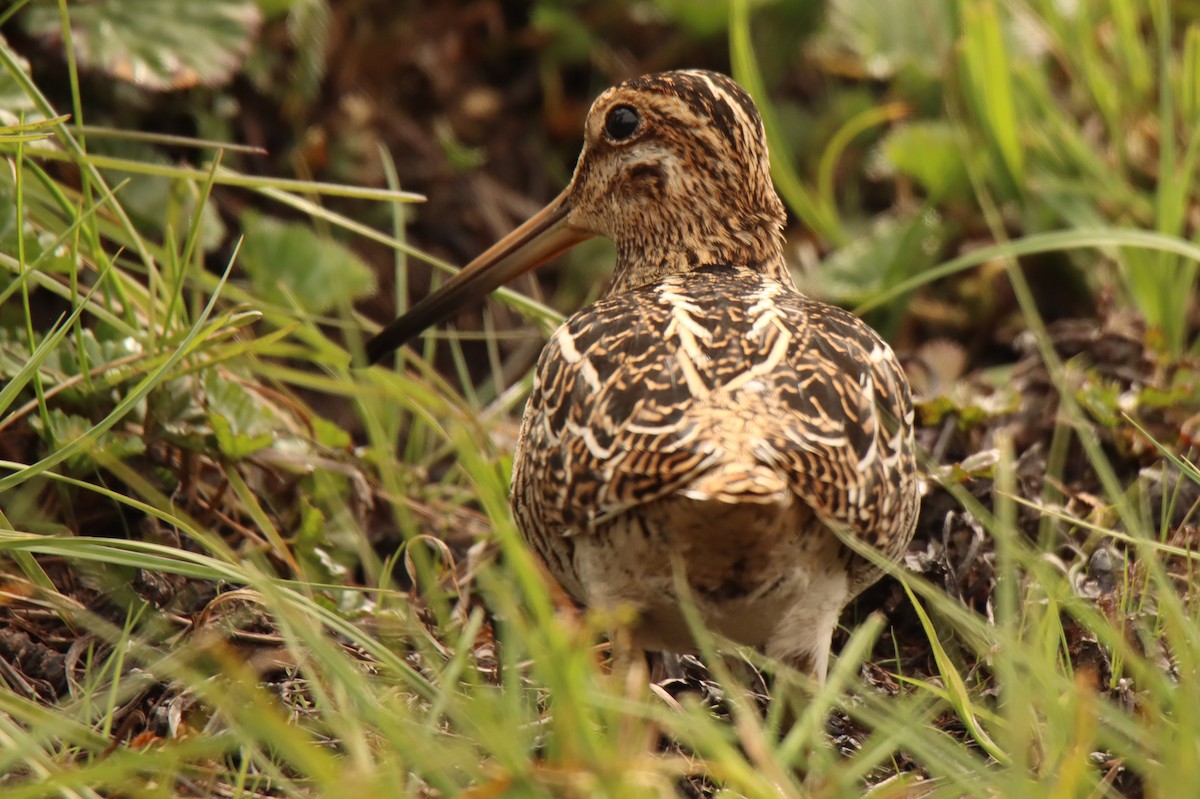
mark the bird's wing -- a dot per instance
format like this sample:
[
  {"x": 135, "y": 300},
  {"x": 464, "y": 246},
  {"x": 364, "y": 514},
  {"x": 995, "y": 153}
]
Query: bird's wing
[{"x": 718, "y": 383}]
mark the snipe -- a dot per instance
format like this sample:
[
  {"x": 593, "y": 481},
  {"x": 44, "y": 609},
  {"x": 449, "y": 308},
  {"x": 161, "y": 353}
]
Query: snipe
[{"x": 703, "y": 415}]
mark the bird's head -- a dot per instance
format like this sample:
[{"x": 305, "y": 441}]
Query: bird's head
[{"x": 674, "y": 169}]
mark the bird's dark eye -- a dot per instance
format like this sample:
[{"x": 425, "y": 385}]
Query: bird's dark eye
[{"x": 621, "y": 122}]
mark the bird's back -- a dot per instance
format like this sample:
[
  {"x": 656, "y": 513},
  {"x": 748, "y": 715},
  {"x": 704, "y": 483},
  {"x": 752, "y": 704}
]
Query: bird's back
[{"x": 716, "y": 411}]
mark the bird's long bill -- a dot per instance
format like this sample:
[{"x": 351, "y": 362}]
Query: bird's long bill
[{"x": 535, "y": 242}]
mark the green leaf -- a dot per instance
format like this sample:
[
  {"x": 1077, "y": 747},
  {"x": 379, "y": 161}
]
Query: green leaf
[
  {"x": 15, "y": 104},
  {"x": 794, "y": 191},
  {"x": 892, "y": 249},
  {"x": 881, "y": 39},
  {"x": 1189, "y": 76},
  {"x": 63, "y": 426},
  {"x": 157, "y": 44},
  {"x": 290, "y": 264},
  {"x": 14, "y": 351},
  {"x": 159, "y": 202},
  {"x": 929, "y": 153},
  {"x": 233, "y": 444},
  {"x": 42, "y": 247},
  {"x": 700, "y": 18},
  {"x": 568, "y": 40},
  {"x": 308, "y": 26},
  {"x": 970, "y": 406},
  {"x": 1101, "y": 399},
  {"x": 312, "y": 545},
  {"x": 956, "y": 691},
  {"x": 241, "y": 422},
  {"x": 176, "y": 407},
  {"x": 988, "y": 75},
  {"x": 275, "y": 8},
  {"x": 330, "y": 435}
]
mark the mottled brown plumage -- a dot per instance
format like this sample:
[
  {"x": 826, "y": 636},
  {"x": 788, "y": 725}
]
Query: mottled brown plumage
[{"x": 703, "y": 415}]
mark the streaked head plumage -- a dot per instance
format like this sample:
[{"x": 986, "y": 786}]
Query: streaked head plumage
[{"x": 675, "y": 170}]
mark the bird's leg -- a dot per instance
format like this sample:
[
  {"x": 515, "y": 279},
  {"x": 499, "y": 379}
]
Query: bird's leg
[
  {"x": 814, "y": 663},
  {"x": 803, "y": 637}
]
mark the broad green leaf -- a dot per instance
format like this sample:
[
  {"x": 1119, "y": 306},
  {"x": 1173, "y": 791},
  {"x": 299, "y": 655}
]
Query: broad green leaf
[
  {"x": 176, "y": 407},
  {"x": 157, "y": 203},
  {"x": 63, "y": 426},
  {"x": 892, "y": 249},
  {"x": 929, "y": 153},
  {"x": 241, "y": 422},
  {"x": 881, "y": 39},
  {"x": 14, "y": 350},
  {"x": 312, "y": 545},
  {"x": 304, "y": 60},
  {"x": 16, "y": 232},
  {"x": 157, "y": 44},
  {"x": 328, "y": 434},
  {"x": 308, "y": 26},
  {"x": 1101, "y": 400},
  {"x": 568, "y": 40},
  {"x": 233, "y": 444},
  {"x": 701, "y": 18},
  {"x": 289, "y": 263},
  {"x": 15, "y": 104}
]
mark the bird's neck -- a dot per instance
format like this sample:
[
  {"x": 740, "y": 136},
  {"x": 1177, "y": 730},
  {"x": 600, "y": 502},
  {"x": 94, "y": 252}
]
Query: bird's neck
[{"x": 645, "y": 260}]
